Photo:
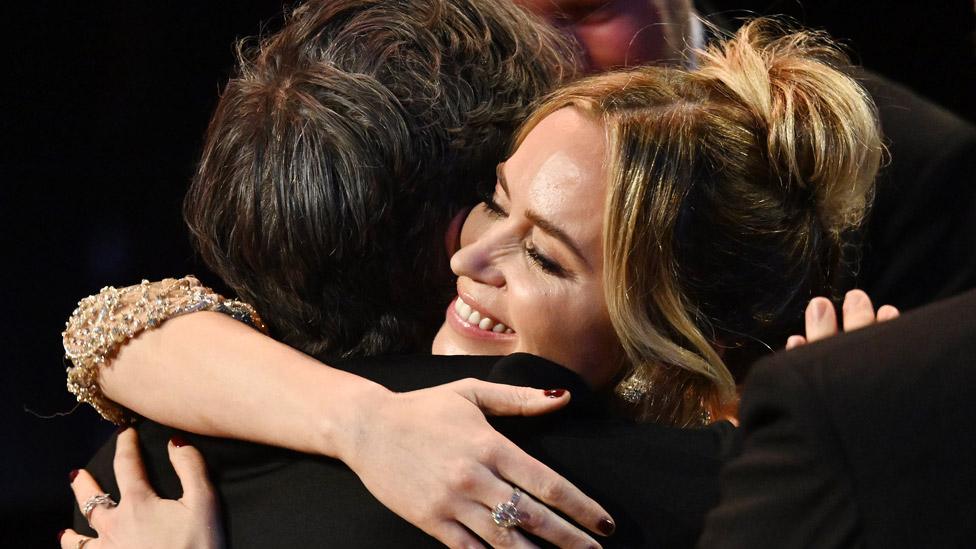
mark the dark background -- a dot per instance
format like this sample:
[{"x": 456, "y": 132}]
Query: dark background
[{"x": 105, "y": 104}]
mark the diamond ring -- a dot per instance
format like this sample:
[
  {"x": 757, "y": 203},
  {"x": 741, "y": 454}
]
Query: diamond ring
[
  {"x": 506, "y": 514},
  {"x": 93, "y": 502}
]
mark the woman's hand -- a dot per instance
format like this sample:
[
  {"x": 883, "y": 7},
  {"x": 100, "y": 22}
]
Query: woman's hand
[
  {"x": 143, "y": 520},
  {"x": 821, "y": 320},
  {"x": 432, "y": 458}
]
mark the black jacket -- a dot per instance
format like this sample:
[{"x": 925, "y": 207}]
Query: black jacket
[
  {"x": 657, "y": 482},
  {"x": 862, "y": 440}
]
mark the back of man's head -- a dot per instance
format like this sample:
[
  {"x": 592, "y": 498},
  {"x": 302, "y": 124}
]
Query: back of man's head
[{"x": 340, "y": 151}]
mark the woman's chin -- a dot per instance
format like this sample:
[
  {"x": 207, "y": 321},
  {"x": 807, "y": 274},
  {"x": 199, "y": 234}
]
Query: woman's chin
[{"x": 442, "y": 343}]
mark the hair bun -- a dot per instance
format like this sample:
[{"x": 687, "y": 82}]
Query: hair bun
[{"x": 821, "y": 127}]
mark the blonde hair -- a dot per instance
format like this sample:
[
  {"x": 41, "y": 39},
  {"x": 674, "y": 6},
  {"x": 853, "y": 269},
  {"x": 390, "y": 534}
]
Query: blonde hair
[{"x": 730, "y": 189}]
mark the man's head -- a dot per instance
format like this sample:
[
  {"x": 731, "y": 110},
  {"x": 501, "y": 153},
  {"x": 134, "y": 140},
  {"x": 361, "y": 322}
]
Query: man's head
[
  {"x": 339, "y": 153},
  {"x": 621, "y": 33}
]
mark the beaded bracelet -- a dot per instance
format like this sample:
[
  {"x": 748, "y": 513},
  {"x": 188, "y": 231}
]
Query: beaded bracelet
[{"x": 102, "y": 323}]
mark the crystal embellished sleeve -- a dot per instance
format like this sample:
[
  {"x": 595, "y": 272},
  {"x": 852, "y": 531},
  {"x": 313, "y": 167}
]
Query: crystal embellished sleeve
[{"x": 102, "y": 323}]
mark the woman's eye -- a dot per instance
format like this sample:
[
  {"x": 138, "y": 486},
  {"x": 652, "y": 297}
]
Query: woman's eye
[
  {"x": 542, "y": 261},
  {"x": 493, "y": 208}
]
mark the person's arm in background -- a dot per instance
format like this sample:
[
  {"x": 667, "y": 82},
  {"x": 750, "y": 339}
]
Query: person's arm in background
[
  {"x": 921, "y": 232},
  {"x": 785, "y": 488},
  {"x": 428, "y": 451},
  {"x": 861, "y": 440}
]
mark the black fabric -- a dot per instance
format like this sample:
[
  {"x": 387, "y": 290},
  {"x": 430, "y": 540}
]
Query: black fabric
[
  {"x": 921, "y": 235},
  {"x": 657, "y": 482},
  {"x": 862, "y": 440}
]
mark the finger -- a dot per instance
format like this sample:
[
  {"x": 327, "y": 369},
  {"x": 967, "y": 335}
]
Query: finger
[
  {"x": 484, "y": 486},
  {"x": 795, "y": 341},
  {"x": 70, "y": 540},
  {"x": 191, "y": 468},
  {"x": 821, "y": 320},
  {"x": 454, "y": 536},
  {"x": 509, "y": 400},
  {"x": 888, "y": 312},
  {"x": 540, "y": 521},
  {"x": 84, "y": 486},
  {"x": 549, "y": 487},
  {"x": 129, "y": 471},
  {"x": 477, "y": 518},
  {"x": 858, "y": 311}
]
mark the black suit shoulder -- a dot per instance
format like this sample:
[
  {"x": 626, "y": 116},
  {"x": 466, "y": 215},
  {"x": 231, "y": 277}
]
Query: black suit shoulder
[
  {"x": 861, "y": 439},
  {"x": 921, "y": 234}
]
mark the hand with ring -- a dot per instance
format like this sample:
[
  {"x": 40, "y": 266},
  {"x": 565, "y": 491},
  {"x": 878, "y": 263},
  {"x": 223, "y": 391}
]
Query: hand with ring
[
  {"x": 141, "y": 519},
  {"x": 449, "y": 479}
]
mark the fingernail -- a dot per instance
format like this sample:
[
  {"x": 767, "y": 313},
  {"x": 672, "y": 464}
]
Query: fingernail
[
  {"x": 178, "y": 441},
  {"x": 606, "y": 527},
  {"x": 61, "y": 535},
  {"x": 72, "y": 475},
  {"x": 853, "y": 297},
  {"x": 121, "y": 429},
  {"x": 820, "y": 310},
  {"x": 554, "y": 393}
]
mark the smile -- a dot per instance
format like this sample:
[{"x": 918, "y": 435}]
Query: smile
[
  {"x": 475, "y": 318},
  {"x": 473, "y": 323}
]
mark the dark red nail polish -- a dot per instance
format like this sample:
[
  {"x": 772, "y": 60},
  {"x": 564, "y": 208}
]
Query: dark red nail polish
[
  {"x": 554, "y": 393},
  {"x": 179, "y": 441},
  {"x": 121, "y": 429},
  {"x": 606, "y": 527},
  {"x": 61, "y": 535},
  {"x": 72, "y": 475}
]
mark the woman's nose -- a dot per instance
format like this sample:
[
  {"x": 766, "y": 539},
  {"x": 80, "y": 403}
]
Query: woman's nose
[
  {"x": 477, "y": 222},
  {"x": 480, "y": 260}
]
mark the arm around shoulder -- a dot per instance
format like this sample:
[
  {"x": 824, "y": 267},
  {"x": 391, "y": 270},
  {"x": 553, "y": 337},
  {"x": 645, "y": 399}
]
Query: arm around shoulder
[{"x": 137, "y": 349}]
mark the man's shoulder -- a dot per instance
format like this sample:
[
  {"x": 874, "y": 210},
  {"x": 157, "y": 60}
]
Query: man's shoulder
[
  {"x": 934, "y": 341},
  {"x": 416, "y": 371},
  {"x": 876, "y": 426}
]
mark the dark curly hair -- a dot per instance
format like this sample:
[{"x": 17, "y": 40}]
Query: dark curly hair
[{"x": 342, "y": 148}]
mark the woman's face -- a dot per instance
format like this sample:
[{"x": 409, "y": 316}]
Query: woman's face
[{"x": 530, "y": 273}]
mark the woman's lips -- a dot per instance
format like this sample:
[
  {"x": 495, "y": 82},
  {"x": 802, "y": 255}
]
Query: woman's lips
[{"x": 472, "y": 323}]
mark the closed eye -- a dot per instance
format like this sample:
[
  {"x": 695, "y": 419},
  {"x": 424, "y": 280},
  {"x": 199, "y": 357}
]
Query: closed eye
[
  {"x": 543, "y": 262},
  {"x": 493, "y": 208}
]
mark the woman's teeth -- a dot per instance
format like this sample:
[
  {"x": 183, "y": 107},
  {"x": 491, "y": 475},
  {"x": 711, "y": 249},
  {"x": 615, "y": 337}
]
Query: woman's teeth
[{"x": 475, "y": 318}]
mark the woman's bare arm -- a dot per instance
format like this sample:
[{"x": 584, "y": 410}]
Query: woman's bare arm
[
  {"x": 428, "y": 455},
  {"x": 210, "y": 374}
]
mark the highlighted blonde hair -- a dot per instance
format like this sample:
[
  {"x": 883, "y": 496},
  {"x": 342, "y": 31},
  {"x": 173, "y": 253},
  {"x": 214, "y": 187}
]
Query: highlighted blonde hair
[{"x": 730, "y": 189}]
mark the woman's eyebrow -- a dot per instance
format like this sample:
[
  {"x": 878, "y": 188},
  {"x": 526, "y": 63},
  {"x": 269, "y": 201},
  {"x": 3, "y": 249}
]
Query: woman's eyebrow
[{"x": 552, "y": 230}]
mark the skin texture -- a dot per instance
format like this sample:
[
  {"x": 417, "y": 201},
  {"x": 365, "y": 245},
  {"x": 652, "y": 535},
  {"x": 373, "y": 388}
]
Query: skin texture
[
  {"x": 516, "y": 271},
  {"x": 612, "y": 33}
]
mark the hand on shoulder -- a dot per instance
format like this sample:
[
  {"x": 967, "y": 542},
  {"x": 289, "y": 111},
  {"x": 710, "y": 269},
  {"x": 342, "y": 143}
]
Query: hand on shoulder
[{"x": 821, "y": 318}]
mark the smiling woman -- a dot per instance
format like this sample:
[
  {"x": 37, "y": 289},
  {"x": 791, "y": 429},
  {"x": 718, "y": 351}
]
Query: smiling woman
[
  {"x": 650, "y": 227},
  {"x": 725, "y": 193},
  {"x": 537, "y": 267}
]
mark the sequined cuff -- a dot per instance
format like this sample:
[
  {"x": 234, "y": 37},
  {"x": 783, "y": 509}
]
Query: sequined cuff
[{"x": 102, "y": 323}]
